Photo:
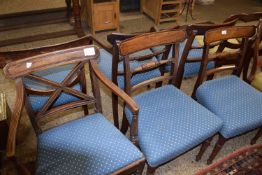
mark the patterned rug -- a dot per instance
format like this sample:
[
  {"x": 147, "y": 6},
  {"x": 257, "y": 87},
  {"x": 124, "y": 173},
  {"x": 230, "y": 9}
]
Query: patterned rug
[{"x": 246, "y": 161}]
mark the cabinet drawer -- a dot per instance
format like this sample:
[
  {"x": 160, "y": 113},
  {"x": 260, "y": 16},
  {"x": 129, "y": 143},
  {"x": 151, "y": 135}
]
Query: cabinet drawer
[{"x": 104, "y": 16}]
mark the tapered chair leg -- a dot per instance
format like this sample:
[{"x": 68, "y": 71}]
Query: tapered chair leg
[
  {"x": 140, "y": 169},
  {"x": 150, "y": 170},
  {"x": 203, "y": 148},
  {"x": 221, "y": 141},
  {"x": 115, "y": 110},
  {"x": 125, "y": 124},
  {"x": 258, "y": 134}
]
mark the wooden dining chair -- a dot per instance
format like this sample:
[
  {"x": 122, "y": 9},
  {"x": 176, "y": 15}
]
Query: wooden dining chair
[
  {"x": 170, "y": 122},
  {"x": 113, "y": 66},
  {"x": 247, "y": 19},
  {"x": 233, "y": 100},
  {"x": 89, "y": 145},
  {"x": 192, "y": 65}
]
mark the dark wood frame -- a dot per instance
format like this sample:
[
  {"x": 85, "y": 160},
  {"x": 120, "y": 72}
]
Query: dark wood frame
[
  {"x": 17, "y": 70},
  {"x": 198, "y": 29},
  {"x": 45, "y": 17},
  {"x": 216, "y": 36},
  {"x": 166, "y": 38}
]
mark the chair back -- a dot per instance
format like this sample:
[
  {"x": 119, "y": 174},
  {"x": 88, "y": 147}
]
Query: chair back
[
  {"x": 139, "y": 43},
  {"x": 244, "y": 34},
  {"x": 46, "y": 82},
  {"x": 255, "y": 55},
  {"x": 245, "y": 17},
  {"x": 12, "y": 55}
]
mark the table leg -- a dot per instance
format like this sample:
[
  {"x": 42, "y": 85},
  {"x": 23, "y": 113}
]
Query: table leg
[{"x": 77, "y": 17}]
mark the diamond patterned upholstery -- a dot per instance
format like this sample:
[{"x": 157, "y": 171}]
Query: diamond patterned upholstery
[
  {"x": 87, "y": 146},
  {"x": 57, "y": 74},
  {"x": 105, "y": 65},
  {"x": 237, "y": 103},
  {"x": 171, "y": 123},
  {"x": 191, "y": 69}
]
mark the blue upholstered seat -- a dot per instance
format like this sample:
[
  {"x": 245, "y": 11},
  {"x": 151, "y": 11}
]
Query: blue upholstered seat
[
  {"x": 171, "y": 123},
  {"x": 57, "y": 74},
  {"x": 191, "y": 69},
  {"x": 87, "y": 146},
  {"x": 238, "y": 104},
  {"x": 105, "y": 65}
]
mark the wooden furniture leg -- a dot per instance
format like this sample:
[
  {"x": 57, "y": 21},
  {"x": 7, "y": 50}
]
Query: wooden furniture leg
[
  {"x": 258, "y": 134},
  {"x": 203, "y": 148},
  {"x": 77, "y": 17},
  {"x": 221, "y": 141}
]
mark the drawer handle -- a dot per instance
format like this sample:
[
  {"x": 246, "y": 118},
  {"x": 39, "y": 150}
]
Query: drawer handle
[{"x": 107, "y": 22}]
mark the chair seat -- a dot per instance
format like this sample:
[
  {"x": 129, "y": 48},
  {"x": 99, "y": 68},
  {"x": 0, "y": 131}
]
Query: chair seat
[
  {"x": 257, "y": 82},
  {"x": 171, "y": 123},
  {"x": 57, "y": 75},
  {"x": 87, "y": 146},
  {"x": 237, "y": 103},
  {"x": 105, "y": 65},
  {"x": 191, "y": 69}
]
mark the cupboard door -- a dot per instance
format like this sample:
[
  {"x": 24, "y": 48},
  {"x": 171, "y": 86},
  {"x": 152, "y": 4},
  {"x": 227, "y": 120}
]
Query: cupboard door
[{"x": 104, "y": 16}]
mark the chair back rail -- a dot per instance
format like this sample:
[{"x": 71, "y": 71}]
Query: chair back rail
[
  {"x": 9, "y": 56},
  {"x": 222, "y": 35},
  {"x": 245, "y": 17},
  {"x": 165, "y": 38}
]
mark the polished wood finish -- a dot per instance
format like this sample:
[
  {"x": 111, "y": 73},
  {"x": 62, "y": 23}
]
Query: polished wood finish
[
  {"x": 101, "y": 15},
  {"x": 222, "y": 36},
  {"x": 167, "y": 38},
  {"x": 43, "y": 17},
  {"x": 13, "y": 55},
  {"x": 198, "y": 29},
  {"x": 161, "y": 10},
  {"x": 19, "y": 69}
]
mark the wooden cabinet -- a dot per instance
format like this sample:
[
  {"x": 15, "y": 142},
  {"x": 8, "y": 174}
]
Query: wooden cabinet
[
  {"x": 102, "y": 15},
  {"x": 161, "y": 10}
]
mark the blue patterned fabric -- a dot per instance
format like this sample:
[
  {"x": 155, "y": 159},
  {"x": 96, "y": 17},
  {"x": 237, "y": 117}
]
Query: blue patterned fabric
[
  {"x": 238, "y": 104},
  {"x": 105, "y": 65},
  {"x": 87, "y": 146},
  {"x": 57, "y": 74},
  {"x": 171, "y": 123},
  {"x": 191, "y": 69}
]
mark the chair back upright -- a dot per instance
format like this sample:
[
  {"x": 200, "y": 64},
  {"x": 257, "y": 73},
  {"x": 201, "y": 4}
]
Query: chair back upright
[
  {"x": 165, "y": 38},
  {"x": 46, "y": 94},
  {"x": 198, "y": 30},
  {"x": 245, "y": 34}
]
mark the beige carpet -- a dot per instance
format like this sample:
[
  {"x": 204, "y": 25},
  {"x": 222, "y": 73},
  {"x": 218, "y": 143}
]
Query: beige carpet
[{"x": 133, "y": 22}]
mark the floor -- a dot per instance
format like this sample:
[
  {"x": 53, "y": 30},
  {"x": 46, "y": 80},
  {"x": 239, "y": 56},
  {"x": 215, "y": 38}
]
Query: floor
[{"x": 130, "y": 22}]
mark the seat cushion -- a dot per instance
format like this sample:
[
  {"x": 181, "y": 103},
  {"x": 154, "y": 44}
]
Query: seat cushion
[
  {"x": 191, "y": 69},
  {"x": 237, "y": 103},
  {"x": 257, "y": 82},
  {"x": 105, "y": 65},
  {"x": 90, "y": 145},
  {"x": 171, "y": 123},
  {"x": 57, "y": 75}
]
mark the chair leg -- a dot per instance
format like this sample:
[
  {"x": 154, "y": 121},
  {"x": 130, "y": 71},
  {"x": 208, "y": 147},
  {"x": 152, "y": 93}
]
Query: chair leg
[
  {"x": 140, "y": 169},
  {"x": 221, "y": 141},
  {"x": 115, "y": 110},
  {"x": 125, "y": 124},
  {"x": 150, "y": 170},
  {"x": 258, "y": 134},
  {"x": 203, "y": 148}
]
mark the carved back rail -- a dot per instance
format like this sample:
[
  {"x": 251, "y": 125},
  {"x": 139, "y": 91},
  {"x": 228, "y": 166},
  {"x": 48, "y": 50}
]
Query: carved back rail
[
  {"x": 223, "y": 35},
  {"x": 9, "y": 56},
  {"x": 165, "y": 38}
]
